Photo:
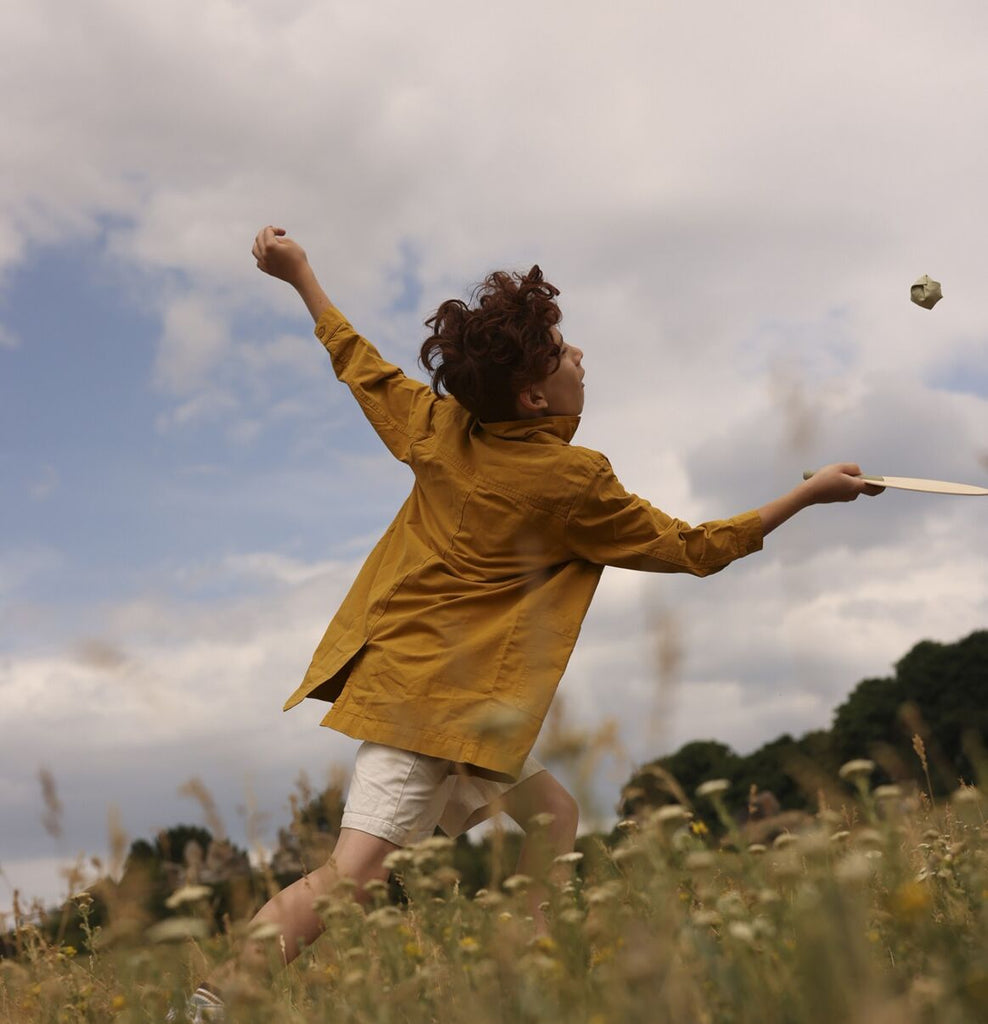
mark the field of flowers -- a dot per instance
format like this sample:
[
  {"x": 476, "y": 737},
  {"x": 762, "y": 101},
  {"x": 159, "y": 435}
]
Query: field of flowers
[{"x": 875, "y": 913}]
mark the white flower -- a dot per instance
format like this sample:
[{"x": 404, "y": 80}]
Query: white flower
[
  {"x": 385, "y": 917},
  {"x": 188, "y": 894},
  {"x": 178, "y": 929},
  {"x": 398, "y": 859},
  {"x": 264, "y": 930},
  {"x": 860, "y": 768},
  {"x": 700, "y": 860},
  {"x": 713, "y": 787},
  {"x": 671, "y": 813},
  {"x": 784, "y": 839}
]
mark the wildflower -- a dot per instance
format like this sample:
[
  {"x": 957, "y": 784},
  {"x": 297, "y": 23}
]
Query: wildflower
[
  {"x": 966, "y": 795},
  {"x": 741, "y": 931},
  {"x": 860, "y": 768},
  {"x": 627, "y": 826},
  {"x": 757, "y": 848},
  {"x": 83, "y": 900},
  {"x": 712, "y": 787},
  {"x": 412, "y": 950},
  {"x": 732, "y": 905},
  {"x": 468, "y": 944},
  {"x": 671, "y": 814},
  {"x": 398, "y": 859},
  {"x": 889, "y": 792},
  {"x": 868, "y": 837},
  {"x": 698, "y": 828},
  {"x": 263, "y": 931},
  {"x": 118, "y": 1003},
  {"x": 487, "y": 899},
  {"x": 569, "y": 858},
  {"x": 911, "y": 900},
  {"x": 178, "y": 929},
  {"x": 605, "y": 893},
  {"x": 542, "y": 820},
  {"x": 839, "y": 837},
  {"x": 385, "y": 917},
  {"x": 188, "y": 894},
  {"x": 436, "y": 844},
  {"x": 783, "y": 840},
  {"x": 700, "y": 860},
  {"x": 625, "y": 852},
  {"x": 517, "y": 883},
  {"x": 705, "y": 918},
  {"x": 854, "y": 869}
]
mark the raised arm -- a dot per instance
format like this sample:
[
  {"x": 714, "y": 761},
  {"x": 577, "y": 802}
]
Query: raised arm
[{"x": 400, "y": 409}]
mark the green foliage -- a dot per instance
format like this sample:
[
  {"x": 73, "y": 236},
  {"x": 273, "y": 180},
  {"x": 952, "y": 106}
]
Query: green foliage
[{"x": 939, "y": 692}]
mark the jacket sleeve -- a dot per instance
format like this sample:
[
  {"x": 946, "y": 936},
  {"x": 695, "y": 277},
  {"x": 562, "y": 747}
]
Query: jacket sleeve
[
  {"x": 608, "y": 525},
  {"x": 398, "y": 408}
]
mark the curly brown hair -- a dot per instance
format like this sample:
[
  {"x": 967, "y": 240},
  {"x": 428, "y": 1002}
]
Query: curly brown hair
[{"x": 486, "y": 352}]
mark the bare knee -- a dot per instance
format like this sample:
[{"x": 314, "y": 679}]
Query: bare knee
[{"x": 359, "y": 857}]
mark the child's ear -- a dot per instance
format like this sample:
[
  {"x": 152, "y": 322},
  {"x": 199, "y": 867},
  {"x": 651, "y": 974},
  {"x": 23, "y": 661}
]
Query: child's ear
[{"x": 532, "y": 400}]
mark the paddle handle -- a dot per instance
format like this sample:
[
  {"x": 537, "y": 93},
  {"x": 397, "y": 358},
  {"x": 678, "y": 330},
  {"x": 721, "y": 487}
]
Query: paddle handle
[{"x": 807, "y": 473}]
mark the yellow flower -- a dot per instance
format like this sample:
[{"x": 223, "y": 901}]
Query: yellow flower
[
  {"x": 469, "y": 944},
  {"x": 118, "y": 1003},
  {"x": 698, "y": 828},
  {"x": 911, "y": 900},
  {"x": 413, "y": 950}
]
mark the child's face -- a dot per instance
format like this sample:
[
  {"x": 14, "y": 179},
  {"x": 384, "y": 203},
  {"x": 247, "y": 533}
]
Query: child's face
[{"x": 562, "y": 390}]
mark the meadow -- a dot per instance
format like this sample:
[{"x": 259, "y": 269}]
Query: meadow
[{"x": 874, "y": 912}]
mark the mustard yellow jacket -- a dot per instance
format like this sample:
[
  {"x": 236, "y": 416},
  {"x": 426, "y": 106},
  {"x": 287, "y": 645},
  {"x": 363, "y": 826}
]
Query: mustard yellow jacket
[{"x": 455, "y": 634}]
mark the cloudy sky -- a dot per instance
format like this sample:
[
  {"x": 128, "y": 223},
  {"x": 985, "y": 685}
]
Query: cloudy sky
[{"x": 734, "y": 200}]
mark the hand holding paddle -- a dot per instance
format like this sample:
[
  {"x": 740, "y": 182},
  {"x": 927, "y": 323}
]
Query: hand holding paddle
[
  {"x": 911, "y": 483},
  {"x": 840, "y": 482}
]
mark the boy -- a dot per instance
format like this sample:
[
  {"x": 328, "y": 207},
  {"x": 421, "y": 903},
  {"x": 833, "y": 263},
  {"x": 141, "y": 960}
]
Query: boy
[{"x": 446, "y": 652}]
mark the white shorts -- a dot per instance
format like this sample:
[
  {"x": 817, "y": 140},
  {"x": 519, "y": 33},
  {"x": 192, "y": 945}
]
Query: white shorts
[{"x": 401, "y": 796}]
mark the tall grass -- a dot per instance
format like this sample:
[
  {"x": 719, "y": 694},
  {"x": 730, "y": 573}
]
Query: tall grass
[{"x": 877, "y": 912}]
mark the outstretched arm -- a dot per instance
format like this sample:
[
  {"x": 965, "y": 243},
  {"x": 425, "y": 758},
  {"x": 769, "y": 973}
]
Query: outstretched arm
[
  {"x": 285, "y": 259},
  {"x": 839, "y": 482},
  {"x": 610, "y": 526}
]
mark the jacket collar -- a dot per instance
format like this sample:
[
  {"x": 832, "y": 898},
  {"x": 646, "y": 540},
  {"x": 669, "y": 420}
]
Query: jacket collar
[{"x": 542, "y": 429}]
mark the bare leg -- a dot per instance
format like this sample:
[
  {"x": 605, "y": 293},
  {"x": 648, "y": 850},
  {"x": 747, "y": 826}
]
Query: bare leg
[
  {"x": 358, "y": 856},
  {"x": 543, "y": 794}
]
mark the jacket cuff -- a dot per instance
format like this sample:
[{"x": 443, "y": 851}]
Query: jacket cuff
[
  {"x": 749, "y": 532},
  {"x": 328, "y": 324}
]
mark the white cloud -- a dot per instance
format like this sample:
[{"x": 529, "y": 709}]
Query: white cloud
[{"x": 194, "y": 341}]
